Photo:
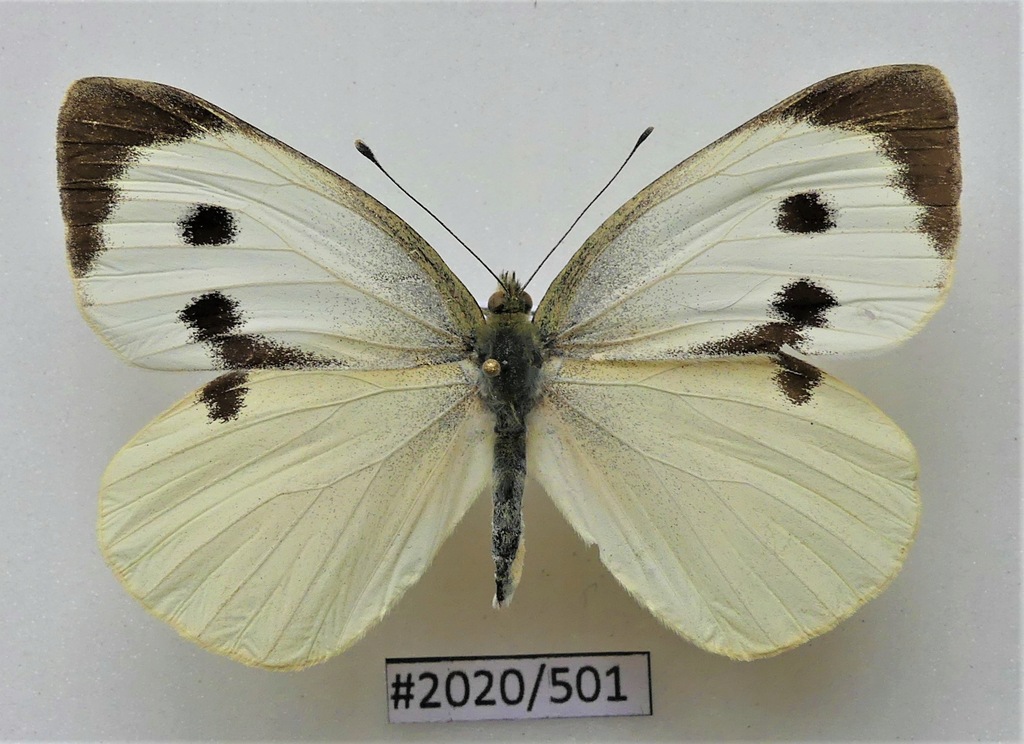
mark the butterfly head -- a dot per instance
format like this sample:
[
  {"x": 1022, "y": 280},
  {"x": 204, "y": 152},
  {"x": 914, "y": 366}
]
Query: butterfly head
[{"x": 510, "y": 297}]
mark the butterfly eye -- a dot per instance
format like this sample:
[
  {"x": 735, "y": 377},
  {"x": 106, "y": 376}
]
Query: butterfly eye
[
  {"x": 520, "y": 302},
  {"x": 496, "y": 302},
  {"x": 491, "y": 368}
]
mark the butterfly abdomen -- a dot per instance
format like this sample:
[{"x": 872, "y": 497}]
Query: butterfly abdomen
[
  {"x": 508, "y": 350},
  {"x": 507, "y": 544}
]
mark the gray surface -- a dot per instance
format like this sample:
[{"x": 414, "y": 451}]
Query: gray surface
[{"x": 505, "y": 119}]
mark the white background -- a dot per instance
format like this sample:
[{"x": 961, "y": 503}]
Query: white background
[{"x": 505, "y": 119}]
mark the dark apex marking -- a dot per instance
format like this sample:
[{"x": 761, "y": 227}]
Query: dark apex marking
[
  {"x": 102, "y": 125},
  {"x": 805, "y": 213},
  {"x": 225, "y": 396},
  {"x": 210, "y": 316},
  {"x": 911, "y": 111},
  {"x": 803, "y": 304},
  {"x": 214, "y": 319},
  {"x": 208, "y": 224}
]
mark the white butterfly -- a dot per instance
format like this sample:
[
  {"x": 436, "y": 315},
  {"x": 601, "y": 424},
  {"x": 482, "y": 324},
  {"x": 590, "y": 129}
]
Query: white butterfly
[{"x": 749, "y": 500}]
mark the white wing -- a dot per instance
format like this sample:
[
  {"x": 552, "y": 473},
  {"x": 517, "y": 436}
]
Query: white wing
[
  {"x": 275, "y": 516},
  {"x": 826, "y": 224},
  {"x": 199, "y": 242},
  {"x": 744, "y": 522}
]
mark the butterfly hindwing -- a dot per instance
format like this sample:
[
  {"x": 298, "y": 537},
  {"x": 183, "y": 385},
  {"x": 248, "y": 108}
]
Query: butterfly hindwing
[
  {"x": 198, "y": 242},
  {"x": 274, "y": 516},
  {"x": 744, "y": 522},
  {"x": 826, "y": 224}
]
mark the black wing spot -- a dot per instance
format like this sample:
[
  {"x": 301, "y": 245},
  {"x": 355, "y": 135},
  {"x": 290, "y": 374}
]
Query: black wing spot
[
  {"x": 214, "y": 319},
  {"x": 805, "y": 213},
  {"x": 796, "y": 378},
  {"x": 225, "y": 396},
  {"x": 208, "y": 224},
  {"x": 798, "y": 306},
  {"x": 803, "y": 304},
  {"x": 211, "y": 316},
  {"x": 764, "y": 338},
  {"x": 252, "y": 351}
]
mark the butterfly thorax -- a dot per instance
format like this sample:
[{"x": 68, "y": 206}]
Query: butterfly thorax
[{"x": 509, "y": 351}]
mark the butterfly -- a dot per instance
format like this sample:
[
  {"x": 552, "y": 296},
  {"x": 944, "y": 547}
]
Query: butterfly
[{"x": 661, "y": 393}]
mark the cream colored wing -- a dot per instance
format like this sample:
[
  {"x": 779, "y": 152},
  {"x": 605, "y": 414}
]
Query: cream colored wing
[
  {"x": 826, "y": 224},
  {"x": 196, "y": 241},
  {"x": 275, "y": 516},
  {"x": 745, "y": 522}
]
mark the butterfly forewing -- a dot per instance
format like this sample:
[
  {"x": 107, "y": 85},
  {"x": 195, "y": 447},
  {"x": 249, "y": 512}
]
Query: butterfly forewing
[
  {"x": 826, "y": 224},
  {"x": 199, "y": 242}
]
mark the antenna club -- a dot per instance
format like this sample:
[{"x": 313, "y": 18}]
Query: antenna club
[
  {"x": 645, "y": 135},
  {"x": 365, "y": 151}
]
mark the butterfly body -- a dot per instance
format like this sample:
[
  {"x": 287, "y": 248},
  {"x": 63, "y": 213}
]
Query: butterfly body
[
  {"x": 663, "y": 393},
  {"x": 510, "y": 353}
]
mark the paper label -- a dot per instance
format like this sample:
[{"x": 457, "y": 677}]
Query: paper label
[{"x": 477, "y": 688}]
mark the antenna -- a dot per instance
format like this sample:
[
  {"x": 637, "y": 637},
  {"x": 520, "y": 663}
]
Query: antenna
[
  {"x": 640, "y": 141},
  {"x": 367, "y": 153}
]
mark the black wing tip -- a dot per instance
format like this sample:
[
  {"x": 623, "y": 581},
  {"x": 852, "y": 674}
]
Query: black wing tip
[
  {"x": 922, "y": 74},
  {"x": 102, "y": 125},
  {"x": 912, "y": 111},
  {"x": 145, "y": 111}
]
